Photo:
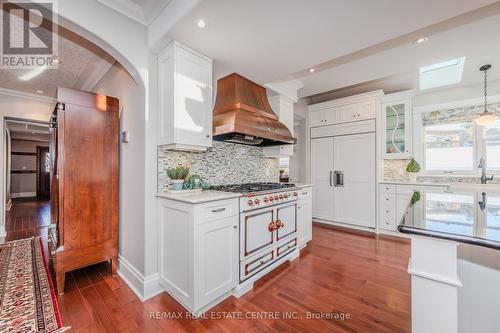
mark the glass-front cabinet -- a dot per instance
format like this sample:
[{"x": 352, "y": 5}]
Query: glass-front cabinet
[{"x": 396, "y": 129}]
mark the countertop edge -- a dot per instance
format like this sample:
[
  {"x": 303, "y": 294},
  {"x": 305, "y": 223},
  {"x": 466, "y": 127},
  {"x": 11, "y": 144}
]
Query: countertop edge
[
  {"x": 188, "y": 197},
  {"x": 452, "y": 237}
]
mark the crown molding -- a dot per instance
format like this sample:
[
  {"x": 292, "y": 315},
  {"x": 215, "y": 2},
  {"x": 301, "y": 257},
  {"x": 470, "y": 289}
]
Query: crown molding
[
  {"x": 25, "y": 95},
  {"x": 127, "y": 8}
]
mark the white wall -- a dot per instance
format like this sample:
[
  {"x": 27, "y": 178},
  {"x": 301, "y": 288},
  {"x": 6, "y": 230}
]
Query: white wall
[
  {"x": 118, "y": 83},
  {"x": 300, "y": 109}
]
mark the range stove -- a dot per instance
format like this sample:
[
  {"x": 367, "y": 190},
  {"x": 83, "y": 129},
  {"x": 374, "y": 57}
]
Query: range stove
[
  {"x": 258, "y": 195},
  {"x": 268, "y": 224}
]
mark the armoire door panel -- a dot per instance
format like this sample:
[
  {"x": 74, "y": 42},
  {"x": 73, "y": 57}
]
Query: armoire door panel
[{"x": 354, "y": 200}]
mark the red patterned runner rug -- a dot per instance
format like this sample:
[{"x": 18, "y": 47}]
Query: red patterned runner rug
[{"x": 28, "y": 301}]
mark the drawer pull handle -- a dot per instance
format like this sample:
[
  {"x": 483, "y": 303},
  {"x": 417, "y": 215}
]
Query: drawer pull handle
[{"x": 218, "y": 210}]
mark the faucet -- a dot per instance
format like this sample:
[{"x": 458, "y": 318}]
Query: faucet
[{"x": 482, "y": 165}]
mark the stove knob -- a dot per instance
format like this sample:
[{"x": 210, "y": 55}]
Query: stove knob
[
  {"x": 250, "y": 202},
  {"x": 276, "y": 197},
  {"x": 266, "y": 200},
  {"x": 295, "y": 194},
  {"x": 257, "y": 201},
  {"x": 285, "y": 195},
  {"x": 271, "y": 199},
  {"x": 281, "y": 196}
]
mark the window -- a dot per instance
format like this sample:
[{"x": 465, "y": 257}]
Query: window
[
  {"x": 442, "y": 74},
  {"x": 492, "y": 142},
  {"x": 492, "y": 226},
  {"x": 450, "y": 213},
  {"x": 449, "y": 147}
]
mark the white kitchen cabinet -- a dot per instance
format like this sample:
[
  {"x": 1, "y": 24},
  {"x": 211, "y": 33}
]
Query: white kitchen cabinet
[
  {"x": 217, "y": 251},
  {"x": 323, "y": 117},
  {"x": 396, "y": 122},
  {"x": 322, "y": 177},
  {"x": 185, "y": 99},
  {"x": 354, "y": 180},
  {"x": 345, "y": 110},
  {"x": 199, "y": 251},
  {"x": 393, "y": 203},
  {"x": 343, "y": 175},
  {"x": 304, "y": 217},
  {"x": 316, "y": 119}
]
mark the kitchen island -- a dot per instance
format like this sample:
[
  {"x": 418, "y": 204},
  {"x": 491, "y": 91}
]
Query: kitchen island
[{"x": 454, "y": 265}]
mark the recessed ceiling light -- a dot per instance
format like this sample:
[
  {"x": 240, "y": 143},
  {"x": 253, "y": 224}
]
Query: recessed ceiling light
[
  {"x": 201, "y": 23},
  {"x": 420, "y": 40},
  {"x": 311, "y": 70},
  {"x": 39, "y": 91}
]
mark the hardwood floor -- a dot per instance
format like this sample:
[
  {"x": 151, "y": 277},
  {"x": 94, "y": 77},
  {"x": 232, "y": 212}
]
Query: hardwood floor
[{"x": 339, "y": 272}]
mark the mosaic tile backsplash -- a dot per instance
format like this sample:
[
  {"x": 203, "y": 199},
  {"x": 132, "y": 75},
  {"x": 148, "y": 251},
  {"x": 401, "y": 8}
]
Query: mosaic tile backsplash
[
  {"x": 224, "y": 163},
  {"x": 395, "y": 171}
]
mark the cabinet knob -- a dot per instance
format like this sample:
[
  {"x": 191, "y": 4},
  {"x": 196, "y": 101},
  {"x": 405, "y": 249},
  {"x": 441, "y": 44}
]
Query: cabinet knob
[
  {"x": 208, "y": 135},
  {"x": 235, "y": 226}
]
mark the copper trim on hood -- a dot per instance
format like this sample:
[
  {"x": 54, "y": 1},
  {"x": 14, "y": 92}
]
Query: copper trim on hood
[{"x": 242, "y": 114}]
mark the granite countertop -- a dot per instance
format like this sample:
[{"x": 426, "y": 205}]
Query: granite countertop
[
  {"x": 199, "y": 197},
  {"x": 455, "y": 216}
]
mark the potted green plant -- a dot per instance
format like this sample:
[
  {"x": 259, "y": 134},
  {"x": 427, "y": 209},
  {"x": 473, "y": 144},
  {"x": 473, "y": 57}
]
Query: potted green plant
[
  {"x": 177, "y": 176},
  {"x": 413, "y": 168}
]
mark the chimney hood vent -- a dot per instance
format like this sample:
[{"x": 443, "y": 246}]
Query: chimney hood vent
[{"x": 242, "y": 114}]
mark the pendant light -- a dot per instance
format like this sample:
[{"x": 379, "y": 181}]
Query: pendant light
[{"x": 487, "y": 117}]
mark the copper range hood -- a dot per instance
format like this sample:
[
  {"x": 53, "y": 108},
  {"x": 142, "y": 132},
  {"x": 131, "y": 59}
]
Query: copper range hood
[{"x": 242, "y": 114}]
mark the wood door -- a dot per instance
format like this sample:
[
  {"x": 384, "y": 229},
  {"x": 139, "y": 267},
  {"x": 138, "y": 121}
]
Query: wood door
[
  {"x": 354, "y": 192},
  {"x": 43, "y": 167},
  {"x": 321, "y": 175}
]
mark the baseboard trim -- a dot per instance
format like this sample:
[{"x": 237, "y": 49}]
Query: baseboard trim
[
  {"x": 144, "y": 287},
  {"x": 23, "y": 195}
]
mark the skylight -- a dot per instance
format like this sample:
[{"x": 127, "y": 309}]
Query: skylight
[{"x": 442, "y": 74}]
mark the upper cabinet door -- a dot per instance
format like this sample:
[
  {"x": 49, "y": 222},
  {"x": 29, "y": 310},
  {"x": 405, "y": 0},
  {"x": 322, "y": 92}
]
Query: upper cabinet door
[
  {"x": 316, "y": 119},
  {"x": 185, "y": 90},
  {"x": 396, "y": 127}
]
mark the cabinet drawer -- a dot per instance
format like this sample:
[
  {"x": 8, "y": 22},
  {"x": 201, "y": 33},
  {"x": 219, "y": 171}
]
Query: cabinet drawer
[
  {"x": 305, "y": 193},
  {"x": 387, "y": 189},
  {"x": 216, "y": 210},
  {"x": 286, "y": 247},
  {"x": 387, "y": 199},
  {"x": 387, "y": 218},
  {"x": 254, "y": 265}
]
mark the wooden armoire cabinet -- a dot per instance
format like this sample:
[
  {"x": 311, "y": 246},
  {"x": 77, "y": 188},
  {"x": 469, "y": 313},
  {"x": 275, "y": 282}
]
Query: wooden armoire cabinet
[{"x": 84, "y": 143}]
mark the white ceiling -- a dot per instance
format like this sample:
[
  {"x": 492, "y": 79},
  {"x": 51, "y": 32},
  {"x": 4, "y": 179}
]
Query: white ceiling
[
  {"x": 28, "y": 130},
  {"x": 142, "y": 11},
  {"x": 398, "y": 68},
  {"x": 82, "y": 64},
  {"x": 270, "y": 41}
]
